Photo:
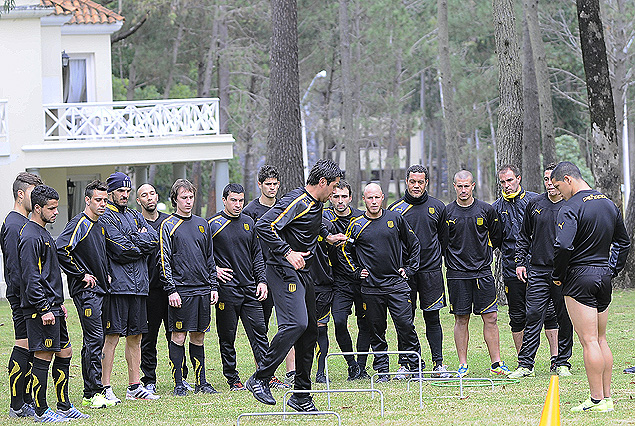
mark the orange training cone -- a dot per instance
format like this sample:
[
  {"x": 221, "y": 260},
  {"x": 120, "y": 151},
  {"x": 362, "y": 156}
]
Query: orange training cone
[{"x": 551, "y": 411}]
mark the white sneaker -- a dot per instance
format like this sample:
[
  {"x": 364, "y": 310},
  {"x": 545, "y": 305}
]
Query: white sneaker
[
  {"x": 403, "y": 373},
  {"x": 110, "y": 395},
  {"x": 141, "y": 393}
]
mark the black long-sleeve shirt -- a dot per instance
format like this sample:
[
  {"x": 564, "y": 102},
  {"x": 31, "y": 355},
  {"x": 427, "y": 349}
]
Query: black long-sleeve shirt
[
  {"x": 237, "y": 247},
  {"x": 9, "y": 238},
  {"x": 510, "y": 214},
  {"x": 472, "y": 233},
  {"x": 321, "y": 270},
  {"x": 341, "y": 272},
  {"x": 378, "y": 247},
  {"x": 255, "y": 210},
  {"x": 155, "y": 257},
  {"x": 41, "y": 289},
  {"x": 81, "y": 249},
  {"x": 537, "y": 236},
  {"x": 590, "y": 232},
  {"x": 187, "y": 256},
  {"x": 294, "y": 223},
  {"x": 426, "y": 216}
]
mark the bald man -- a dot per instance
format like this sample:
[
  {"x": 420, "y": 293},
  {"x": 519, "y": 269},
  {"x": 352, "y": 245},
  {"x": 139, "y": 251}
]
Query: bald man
[
  {"x": 472, "y": 232},
  {"x": 377, "y": 256}
]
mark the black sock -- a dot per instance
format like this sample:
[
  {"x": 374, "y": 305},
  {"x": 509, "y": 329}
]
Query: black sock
[
  {"x": 18, "y": 366},
  {"x": 595, "y": 401},
  {"x": 28, "y": 381},
  {"x": 496, "y": 365},
  {"x": 322, "y": 348},
  {"x": 40, "y": 375},
  {"x": 197, "y": 356},
  {"x": 60, "y": 378},
  {"x": 134, "y": 386},
  {"x": 177, "y": 359}
]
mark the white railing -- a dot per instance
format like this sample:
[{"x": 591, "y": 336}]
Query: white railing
[{"x": 131, "y": 119}]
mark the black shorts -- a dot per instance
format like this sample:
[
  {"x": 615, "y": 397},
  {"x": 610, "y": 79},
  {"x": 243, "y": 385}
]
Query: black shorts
[
  {"x": 477, "y": 295},
  {"x": 47, "y": 338},
  {"x": 193, "y": 315},
  {"x": 429, "y": 286},
  {"x": 323, "y": 303},
  {"x": 19, "y": 322},
  {"x": 125, "y": 314},
  {"x": 589, "y": 285}
]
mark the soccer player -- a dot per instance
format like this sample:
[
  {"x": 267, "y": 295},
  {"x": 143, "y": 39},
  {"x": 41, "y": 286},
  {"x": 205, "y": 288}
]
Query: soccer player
[
  {"x": 129, "y": 242},
  {"x": 243, "y": 284},
  {"x": 534, "y": 263},
  {"x": 472, "y": 232},
  {"x": 346, "y": 286},
  {"x": 269, "y": 184},
  {"x": 385, "y": 253},
  {"x": 21, "y": 360},
  {"x": 81, "y": 251},
  {"x": 42, "y": 298},
  {"x": 426, "y": 217},
  {"x": 591, "y": 248},
  {"x": 511, "y": 208},
  {"x": 188, "y": 274},
  {"x": 290, "y": 230}
]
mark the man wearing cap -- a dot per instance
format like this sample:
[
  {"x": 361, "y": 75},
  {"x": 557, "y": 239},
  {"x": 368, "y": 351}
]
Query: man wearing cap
[{"x": 129, "y": 240}]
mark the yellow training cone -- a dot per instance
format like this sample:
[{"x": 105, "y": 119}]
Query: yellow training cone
[{"x": 551, "y": 411}]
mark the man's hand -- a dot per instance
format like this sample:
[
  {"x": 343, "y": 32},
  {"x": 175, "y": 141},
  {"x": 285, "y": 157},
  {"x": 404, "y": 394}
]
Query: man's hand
[
  {"x": 558, "y": 283},
  {"x": 174, "y": 300},
  {"x": 402, "y": 272},
  {"x": 65, "y": 312},
  {"x": 90, "y": 280},
  {"x": 364, "y": 273},
  {"x": 336, "y": 238},
  {"x": 521, "y": 273},
  {"x": 48, "y": 318},
  {"x": 262, "y": 291},
  {"x": 142, "y": 230},
  {"x": 296, "y": 258},
  {"x": 213, "y": 298},
  {"x": 225, "y": 275}
]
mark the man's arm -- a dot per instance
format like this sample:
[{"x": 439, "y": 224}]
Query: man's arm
[
  {"x": 119, "y": 245},
  {"x": 211, "y": 264},
  {"x": 411, "y": 245},
  {"x": 494, "y": 228},
  {"x": 258, "y": 260},
  {"x": 30, "y": 250},
  {"x": 165, "y": 257},
  {"x": 621, "y": 246},
  {"x": 12, "y": 272},
  {"x": 72, "y": 234},
  {"x": 523, "y": 242},
  {"x": 145, "y": 238},
  {"x": 567, "y": 227}
]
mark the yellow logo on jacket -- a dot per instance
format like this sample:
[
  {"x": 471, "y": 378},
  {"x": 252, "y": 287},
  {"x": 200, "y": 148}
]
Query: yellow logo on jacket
[
  {"x": 178, "y": 325},
  {"x": 88, "y": 312},
  {"x": 246, "y": 226},
  {"x": 431, "y": 210},
  {"x": 390, "y": 224},
  {"x": 48, "y": 343},
  {"x": 560, "y": 225},
  {"x": 200, "y": 228},
  {"x": 108, "y": 324},
  {"x": 479, "y": 221},
  {"x": 221, "y": 306},
  {"x": 292, "y": 287},
  {"x": 103, "y": 231}
]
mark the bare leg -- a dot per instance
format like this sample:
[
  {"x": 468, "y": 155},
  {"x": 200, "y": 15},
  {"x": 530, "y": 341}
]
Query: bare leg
[
  {"x": 290, "y": 360},
  {"x": 461, "y": 336},
  {"x": 552, "y": 338},
  {"x": 518, "y": 340},
  {"x": 133, "y": 358},
  {"x": 490, "y": 333},
  {"x": 110, "y": 344},
  {"x": 606, "y": 353}
]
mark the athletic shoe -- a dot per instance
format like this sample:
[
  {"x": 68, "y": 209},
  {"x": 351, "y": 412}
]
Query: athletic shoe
[
  {"x": 382, "y": 379},
  {"x": 25, "y": 411},
  {"x": 630, "y": 370},
  {"x": 403, "y": 373},
  {"x": 609, "y": 403},
  {"x": 363, "y": 374},
  {"x": 72, "y": 413},
  {"x": 320, "y": 378},
  {"x": 110, "y": 395},
  {"x": 588, "y": 405},
  {"x": 205, "y": 388},
  {"x": 276, "y": 383},
  {"x": 463, "y": 370},
  {"x": 522, "y": 372},
  {"x": 98, "y": 401},
  {"x": 140, "y": 393},
  {"x": 302, "y": 404},
  {"x": 260, "y": 389},
  {"x": 441, "y": 371},
  {"x": 179, "y": 390},
  {"x": 501, "y": 370},
  {"x": 188, "y": 386},
  {"x": 49, "y": 416},
  {"x": 553, "y": 369},
  {"x": 151, "y": 387},
  {"x": 289, "y": 378},
  {"x": 563, "y": 371},
  {"x": 238, "y": 386},
  {"x": 353, "y": 371}
]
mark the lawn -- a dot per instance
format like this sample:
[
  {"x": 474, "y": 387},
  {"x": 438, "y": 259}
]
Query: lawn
[{"x": 516, "y": 404}]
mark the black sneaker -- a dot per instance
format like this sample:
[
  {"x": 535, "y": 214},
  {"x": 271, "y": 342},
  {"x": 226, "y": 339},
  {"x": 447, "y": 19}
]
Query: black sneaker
[
  {"x": 320, "y": 378},
  {"x": 353, "y": 371},
  {"x": 179, "y": 390},
  {"x": 363, "y": 374},
  {"x": 304, "y": 403},
  {"x": 205, "y": 388},
  {"x": 382, "y": 379},
  {"x": 238, "y": 386},
  {"x": 260, "y": 389}
]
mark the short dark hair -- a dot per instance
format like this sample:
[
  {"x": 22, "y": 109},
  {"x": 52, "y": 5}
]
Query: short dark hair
[
  {"x": 95, "y": 185},
  {"x": 550, "y": 166},
  {"x": 146, "y": 183},
  {"x": 42, "y": 194},
  {"x": 233, "y": 187},
  {"x": 324, "y": 168},
  {"x": 343, "y": 184},
  {"x": 178, "y": 184},
  {"x": 509, "y": 167},
  {"x": 566, "y": 168},
  {"x": 268, "y": 171},
  {"x": 416, "y": 168},
  {"x": 23, "y": 180}
]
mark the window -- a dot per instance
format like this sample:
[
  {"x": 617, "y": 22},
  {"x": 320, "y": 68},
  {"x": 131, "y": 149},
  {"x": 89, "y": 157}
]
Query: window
[{"x": 78, "y": 79}]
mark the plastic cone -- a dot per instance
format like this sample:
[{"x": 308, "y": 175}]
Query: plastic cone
[{"x": 551, "y": 411}]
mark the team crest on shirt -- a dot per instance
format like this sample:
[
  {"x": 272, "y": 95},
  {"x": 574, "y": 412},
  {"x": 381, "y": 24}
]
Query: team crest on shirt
[
  {"x": 390, "y": 224},
  {"x": 560, "y": 225},
  {"x": 246, "y": 226},
  {"x": 431, "y": 210},
  {"x": 88, "y": 312},
  {"x": 178, "y": 325},
  {"x": 34, "y": 316},
  {"x": 221, "y": 306},
  {"x": 364, "y": 306},
  {"x": 479, "y": 221},
  {"x": 538, "y": 210},
  {"x": 292, "y": 287},
  {"x": 48, "y": 342},
  {"x": 107, "y": 324},
  {"x": 200, "y": 228}
]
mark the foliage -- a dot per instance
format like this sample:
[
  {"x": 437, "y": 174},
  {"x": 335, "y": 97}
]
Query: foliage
[{"x": 568, "y": 149}]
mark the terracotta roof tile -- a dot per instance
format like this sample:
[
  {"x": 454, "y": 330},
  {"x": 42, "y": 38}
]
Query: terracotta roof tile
[{"x": 84, "y": 11}]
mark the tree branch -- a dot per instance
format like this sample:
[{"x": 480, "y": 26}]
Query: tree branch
[{"x": 130, "y": 31}]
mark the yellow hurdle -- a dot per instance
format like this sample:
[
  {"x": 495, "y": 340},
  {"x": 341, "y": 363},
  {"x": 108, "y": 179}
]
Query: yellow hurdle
[{"x": 551, "y": 411}]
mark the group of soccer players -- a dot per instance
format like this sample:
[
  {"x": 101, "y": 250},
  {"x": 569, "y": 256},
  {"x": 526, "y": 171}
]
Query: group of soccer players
[{"x": 129, "y": 272}]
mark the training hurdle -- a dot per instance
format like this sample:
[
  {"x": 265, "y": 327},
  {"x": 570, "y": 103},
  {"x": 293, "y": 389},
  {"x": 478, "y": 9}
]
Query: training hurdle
[
  {"x": 449, "y": 379},
  {"x": 291, "y": 413},
  {"x": 330, "y": 391}
]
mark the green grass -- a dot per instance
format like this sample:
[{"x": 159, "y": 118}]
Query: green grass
[{"x": 516, "y": 404}]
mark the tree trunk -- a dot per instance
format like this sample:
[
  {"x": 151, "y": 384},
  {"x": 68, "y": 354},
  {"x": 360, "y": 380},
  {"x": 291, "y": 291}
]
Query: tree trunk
[
  {"x": 606, "y": 153},
  {"x": 197, "y": 182},
  {"x": 452, "y": 141},
  {"x": 392, "y": 158},
  {"x": 222, "y": 66},
  {"x": 132, "y": 78},
  {"x": 542, "y": 78},
  {"x": 209, "y": 59},
  {"x": 284, "y": 140},
  {"x": 531, "y": 172},
  {"x": 173, "y": 60}
]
